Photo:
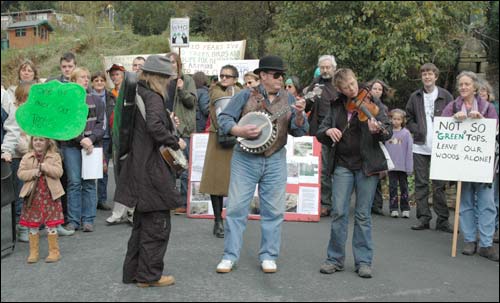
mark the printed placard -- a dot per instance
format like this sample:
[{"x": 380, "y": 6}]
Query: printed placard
[
  {"x": 179, "y": 32},
  {"x": 463, "y": 151}
]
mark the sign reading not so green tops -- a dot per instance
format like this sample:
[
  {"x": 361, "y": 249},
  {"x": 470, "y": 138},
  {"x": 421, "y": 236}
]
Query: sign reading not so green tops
[{"x": 463, "y": 151}]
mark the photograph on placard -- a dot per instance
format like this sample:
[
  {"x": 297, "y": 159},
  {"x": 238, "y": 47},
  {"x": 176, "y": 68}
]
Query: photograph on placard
[
  {"x": 291, "y": 203},
  {"x": 308, "y": 170}
]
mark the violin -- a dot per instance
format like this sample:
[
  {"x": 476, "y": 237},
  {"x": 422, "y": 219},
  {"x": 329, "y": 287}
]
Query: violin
[
  {"x": 365, "y": 109},
  {"x": 364, "y": 105}
]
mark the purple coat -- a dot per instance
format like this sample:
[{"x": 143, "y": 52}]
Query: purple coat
[{"x": 484, "y": 107}]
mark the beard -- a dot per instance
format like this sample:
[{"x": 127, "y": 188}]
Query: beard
[{"x": 326, "y": 76}]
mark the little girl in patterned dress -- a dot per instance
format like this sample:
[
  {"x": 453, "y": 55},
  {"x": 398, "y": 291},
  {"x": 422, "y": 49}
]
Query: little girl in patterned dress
[{"x": 41, "y": 170}]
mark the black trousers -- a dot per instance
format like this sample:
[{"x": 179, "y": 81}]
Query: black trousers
[{"x": 147, "y": 247}]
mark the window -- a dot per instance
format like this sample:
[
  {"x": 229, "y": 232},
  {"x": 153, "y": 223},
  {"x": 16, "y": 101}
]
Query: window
[{"x": 20, "y": 32}]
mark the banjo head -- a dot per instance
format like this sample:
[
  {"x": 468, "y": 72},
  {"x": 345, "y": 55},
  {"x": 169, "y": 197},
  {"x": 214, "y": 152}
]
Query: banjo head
[{"x": 267, "y": 135}]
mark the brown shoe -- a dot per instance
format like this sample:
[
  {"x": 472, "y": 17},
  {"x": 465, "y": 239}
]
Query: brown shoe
[
  {"x": 164, "y": 281},
  {"x": 469, "y": 248},
  {"x": 180, "y": 211},
  {"x": 325, "y": 211},
  {"x": 489, "y": 252}
]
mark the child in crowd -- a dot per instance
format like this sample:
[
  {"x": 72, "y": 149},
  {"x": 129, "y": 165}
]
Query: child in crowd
[
  {"x": 401, "y": 152},
  {"x": 40, "y": 169}
]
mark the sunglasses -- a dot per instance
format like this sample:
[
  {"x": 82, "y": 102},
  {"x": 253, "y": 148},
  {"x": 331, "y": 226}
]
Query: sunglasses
[
  {"x": 277, "y": 75},
  {"x": 226, "y": 76}
]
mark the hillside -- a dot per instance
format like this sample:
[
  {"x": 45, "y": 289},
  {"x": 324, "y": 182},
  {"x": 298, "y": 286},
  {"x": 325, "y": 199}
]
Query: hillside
[{"x": 87, "y": 43}]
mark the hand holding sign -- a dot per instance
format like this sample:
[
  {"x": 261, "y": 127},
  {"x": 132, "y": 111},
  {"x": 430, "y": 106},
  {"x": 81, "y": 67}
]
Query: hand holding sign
[{"x": 54, "y": 110}]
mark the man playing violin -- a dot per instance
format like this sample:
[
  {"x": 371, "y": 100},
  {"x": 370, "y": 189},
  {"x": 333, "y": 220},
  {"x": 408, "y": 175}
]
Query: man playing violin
[
  {"x": 266, "y": 169},
  {"x": 356, "y": 160}
]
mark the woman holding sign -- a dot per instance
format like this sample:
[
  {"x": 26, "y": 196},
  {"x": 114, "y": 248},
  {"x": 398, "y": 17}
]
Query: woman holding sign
[{"x": 477, "y": 212}]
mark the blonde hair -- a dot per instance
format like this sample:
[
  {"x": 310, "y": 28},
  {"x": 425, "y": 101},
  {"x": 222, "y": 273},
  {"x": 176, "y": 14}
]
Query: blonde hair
[
  {"x": 156, "y": 82},
  {"x": 342, "y": 75},
  {"x": 400, "y": 112},
  {"x": 51, "y": 145},
  {"x": 253, "y": 75},
  {"x": 77, "y": 72},
  {"x": 21, "y": 93},
  {"x": 487, "y": 87}
]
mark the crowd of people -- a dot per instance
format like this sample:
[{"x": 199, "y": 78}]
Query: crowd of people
[{"x": 358, "y": 149}]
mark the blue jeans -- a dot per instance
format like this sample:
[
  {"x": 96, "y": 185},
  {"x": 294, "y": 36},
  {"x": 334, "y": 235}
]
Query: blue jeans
[
  {"x": 82, "y": 194},
  {"x": 344, "y": 181},
  {"x": 248, "y": 170},
  {"x": 477, "y": 212},
  {"x": 102, "y": 184},
  {"x": 495, "y": 195}
]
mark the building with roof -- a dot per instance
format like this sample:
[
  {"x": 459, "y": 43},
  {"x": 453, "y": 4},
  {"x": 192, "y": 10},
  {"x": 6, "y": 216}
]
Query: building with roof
[{"x": 29, "y": 33}]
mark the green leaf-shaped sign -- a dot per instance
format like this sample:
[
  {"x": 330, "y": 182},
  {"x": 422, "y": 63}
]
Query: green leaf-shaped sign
[{"x": 54, "y": 110}]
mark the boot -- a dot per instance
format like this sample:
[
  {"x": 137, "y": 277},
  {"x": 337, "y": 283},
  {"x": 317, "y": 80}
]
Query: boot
[
  {"x": 34, "y": 248},
  {"x": 219, "y": 229},
  {"x": 54, "y": 254}
]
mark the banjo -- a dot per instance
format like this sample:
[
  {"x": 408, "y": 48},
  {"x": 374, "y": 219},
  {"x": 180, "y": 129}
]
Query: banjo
[{"x": 268, "y": 130}]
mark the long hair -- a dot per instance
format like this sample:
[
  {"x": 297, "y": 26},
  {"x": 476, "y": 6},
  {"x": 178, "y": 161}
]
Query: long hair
[
  {"x": 21, "y": 93},
  {"x": 51, "y": 145},
  {"x": 387, "y": 91},
  {"x": 156, "y": 82}
]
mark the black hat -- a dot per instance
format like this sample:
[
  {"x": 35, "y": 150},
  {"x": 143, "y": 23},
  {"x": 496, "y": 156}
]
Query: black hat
[
  {"x": 270, "y": 63},
  {"x": 159, "y": 65}
]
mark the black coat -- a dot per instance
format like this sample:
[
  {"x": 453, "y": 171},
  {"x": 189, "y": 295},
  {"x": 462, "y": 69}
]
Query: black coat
[
  {"x": 373, "y": 158},
  {"x": 146, "y": 181}
]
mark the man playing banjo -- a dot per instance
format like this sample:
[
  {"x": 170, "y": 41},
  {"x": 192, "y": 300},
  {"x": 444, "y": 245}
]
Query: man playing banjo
[{"x": 264, "y": 164}]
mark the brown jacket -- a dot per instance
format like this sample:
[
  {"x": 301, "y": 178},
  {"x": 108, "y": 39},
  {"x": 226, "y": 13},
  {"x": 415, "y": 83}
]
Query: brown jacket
[
  {"x": 53, "y": 172},
  {"x": 217, "y": 167},
  {"x": 146, "y": 182}
]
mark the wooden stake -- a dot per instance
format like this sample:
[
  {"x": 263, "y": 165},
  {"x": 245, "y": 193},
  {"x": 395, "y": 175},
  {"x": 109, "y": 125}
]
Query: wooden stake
[{"x": 457, "y": 220}]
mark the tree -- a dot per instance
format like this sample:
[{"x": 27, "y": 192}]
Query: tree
[{"x": 383, "y": 39}]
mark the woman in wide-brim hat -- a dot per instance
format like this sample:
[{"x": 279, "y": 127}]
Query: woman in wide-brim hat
[{"x": 146, "y": 182}]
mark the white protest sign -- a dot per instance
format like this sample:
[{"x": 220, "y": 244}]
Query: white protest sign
[
  {"x": 179, "y": 32},
  {"x": 203, "y": 56},
  {"x": 243, "y": 67},
  {"x": 198, "y": 57},
  {"x": 463, "y": 151}
]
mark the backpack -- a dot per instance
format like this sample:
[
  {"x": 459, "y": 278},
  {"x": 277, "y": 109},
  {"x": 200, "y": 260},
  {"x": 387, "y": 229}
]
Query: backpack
[{"x": 123, "y": 120}]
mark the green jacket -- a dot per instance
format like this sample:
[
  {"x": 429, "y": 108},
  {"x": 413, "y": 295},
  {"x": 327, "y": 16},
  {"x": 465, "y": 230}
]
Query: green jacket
[{"x": 185, "y": 107}]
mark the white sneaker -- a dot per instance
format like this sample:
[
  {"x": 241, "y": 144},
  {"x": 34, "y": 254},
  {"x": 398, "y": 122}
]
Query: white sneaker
[
  {"x": 394, "y": 214},
  {"x": 114, "y": 220},
  {"x": 406, "y": 213},
  {"x": 269, "y": 266},
  {"x": 225, "y": 266}
]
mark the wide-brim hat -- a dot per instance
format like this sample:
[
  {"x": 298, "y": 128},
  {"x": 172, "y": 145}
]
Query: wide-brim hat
[
  {"x": 159, "y": 65},
  {"x": 270, "y": 63}
]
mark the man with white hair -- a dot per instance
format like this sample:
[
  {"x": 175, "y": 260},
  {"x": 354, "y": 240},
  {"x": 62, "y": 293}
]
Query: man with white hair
[{"x": 319, "y": 95}]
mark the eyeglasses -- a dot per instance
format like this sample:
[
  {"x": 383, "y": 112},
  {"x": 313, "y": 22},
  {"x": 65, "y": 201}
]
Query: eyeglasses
[
  {"x": 277, "y": 75},
  {"x": 226, "y": 76}
]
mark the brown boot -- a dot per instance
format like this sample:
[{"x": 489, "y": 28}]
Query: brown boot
[
  {"x": 34, "y": 246},
  {"x": 54, "y": 254}
]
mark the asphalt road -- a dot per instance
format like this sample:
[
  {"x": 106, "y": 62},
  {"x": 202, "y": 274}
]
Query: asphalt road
[{"x": 408, "y": 266}]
